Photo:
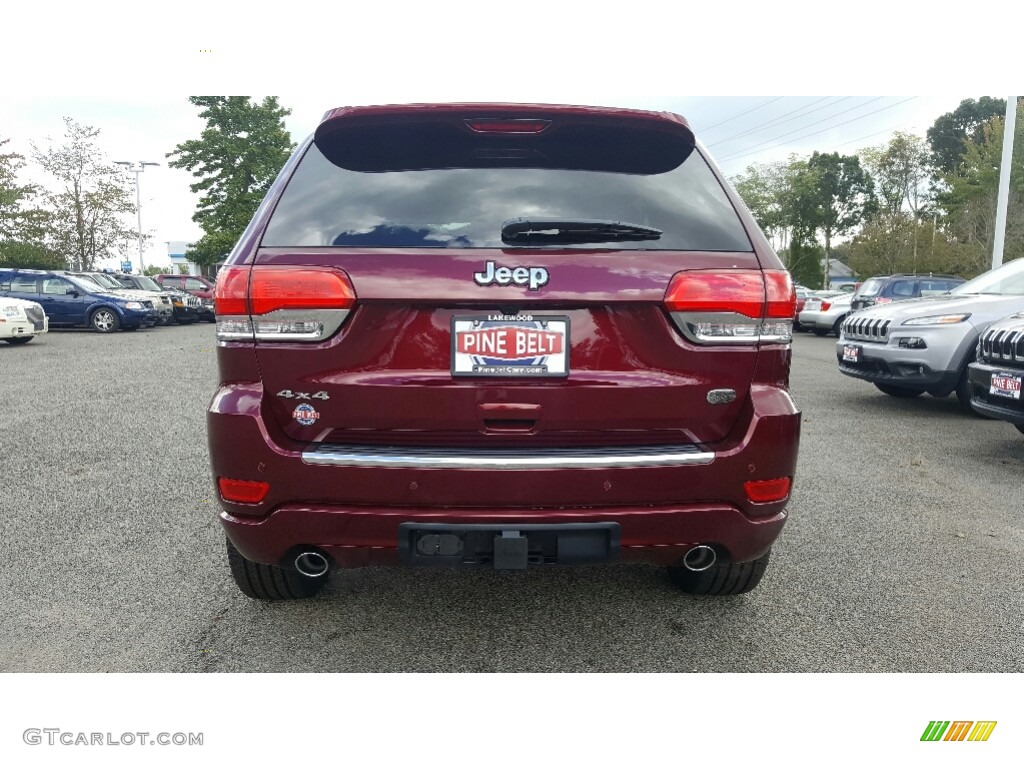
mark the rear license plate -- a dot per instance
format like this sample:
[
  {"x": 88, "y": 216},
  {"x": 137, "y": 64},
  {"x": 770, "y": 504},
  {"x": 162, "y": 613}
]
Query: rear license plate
[
  {"x": 812, "y": 304},
  {"x": 1005, "y": 385},
  {"x": 524, "y": 346},
  {"x": 851, "y": 353}
]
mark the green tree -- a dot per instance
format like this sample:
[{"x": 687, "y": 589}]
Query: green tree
[
  {"x": 237, "y": 157},
  {"x": 763, "y": 188},
  {"x": 21, "y": 220},
  {"x": 834, "y": 195},
  {"x": 891, "y": 243},
  {"x": 28, "y": 255},
  {"x": 90, "y": 202},
  {"x": 901, "y": 171},
  {"x": 152, "y": 269},
  {"x": 804, "y": 255},
  {"x": 950, "y": 132},
  {"x": 970, "y": 200}
]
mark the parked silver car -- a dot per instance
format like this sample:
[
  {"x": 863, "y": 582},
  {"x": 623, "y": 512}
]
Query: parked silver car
[
  {"x": 925, "y": 345},
  {"x": 823, "y": 315}
]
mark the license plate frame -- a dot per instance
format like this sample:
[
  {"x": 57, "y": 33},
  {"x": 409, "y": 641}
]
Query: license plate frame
[
  {"x": 486, "y": 346},
  {"x": 1005, "y": 384},
  {"x": 852, "y": 353}
]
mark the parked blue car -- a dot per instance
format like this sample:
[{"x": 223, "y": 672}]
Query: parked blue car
[{"x": 68, "y": 301}]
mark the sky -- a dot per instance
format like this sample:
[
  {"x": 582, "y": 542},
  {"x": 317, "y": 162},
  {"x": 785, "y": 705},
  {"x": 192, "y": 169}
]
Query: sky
[{"x": 723, "y": 71}]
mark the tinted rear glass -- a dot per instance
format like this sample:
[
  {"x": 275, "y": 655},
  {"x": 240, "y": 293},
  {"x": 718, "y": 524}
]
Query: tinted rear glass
[
  {"x": 19, "y": 283},
  {"x": 934, "y": 287},
  {"x": 458, "y": 207},
  {"x": 902, "y": 288},
  {"x": 871, "y": 287}
]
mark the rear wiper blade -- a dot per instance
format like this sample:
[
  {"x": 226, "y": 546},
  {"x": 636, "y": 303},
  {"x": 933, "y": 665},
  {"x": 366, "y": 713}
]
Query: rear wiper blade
[{"x": 527, "y": 231}]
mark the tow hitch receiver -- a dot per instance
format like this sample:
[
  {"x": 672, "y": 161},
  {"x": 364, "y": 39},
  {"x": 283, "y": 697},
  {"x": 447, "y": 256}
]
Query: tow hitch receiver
[
  {"x": 505, "y": 547},
  {"x": 510, "y": 551}
]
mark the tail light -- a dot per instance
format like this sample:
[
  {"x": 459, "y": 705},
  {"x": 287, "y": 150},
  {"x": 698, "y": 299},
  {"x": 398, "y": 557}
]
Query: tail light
[
  {"x": 269, "y": 303},
  {"x": 883, "y": 300},
  {"x": 825, "y": 305},
  {"x": 242, "y": 491},
  {"x": 733, "y": 307},
  {"x": 764, "y": 491},
  {"x": 503, "y": 125}
]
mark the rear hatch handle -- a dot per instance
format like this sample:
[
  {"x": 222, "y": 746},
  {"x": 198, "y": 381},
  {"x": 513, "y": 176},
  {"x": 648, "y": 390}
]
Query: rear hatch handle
[{"x": 509, "y": 417}]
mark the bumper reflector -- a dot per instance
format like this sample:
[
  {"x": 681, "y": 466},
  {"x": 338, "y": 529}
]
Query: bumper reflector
[
  {"x": 762, "y": 491},
  {"x": 242, "y": 491}
]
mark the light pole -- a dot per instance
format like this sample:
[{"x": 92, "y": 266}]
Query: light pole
[
  {"x": 138, "y": 200},
  {"x": 1004, "y": 181}
]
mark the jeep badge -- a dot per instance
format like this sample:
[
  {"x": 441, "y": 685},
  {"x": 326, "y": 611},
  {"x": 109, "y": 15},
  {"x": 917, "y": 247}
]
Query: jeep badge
[{"x": 532, "y": 277}]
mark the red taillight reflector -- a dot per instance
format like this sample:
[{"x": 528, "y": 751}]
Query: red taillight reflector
[
  {"x": 230, "y": 293},
  {"x": 495, "y": 125},
  {"x": 825, "y": 305},
  {"x": 883, "y": 301},
  {"x": 740, "y": 291},
  {"x": 780, "y": 293},
  {"x": 761, "y": 491},
  {"x": 243, "y": 491},
  {"x": 299, "y": 288}
]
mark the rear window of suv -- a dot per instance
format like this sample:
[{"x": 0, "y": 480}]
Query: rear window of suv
[
  {"x": 399, "y": 200},
  {"x": 871, "y": 287}
]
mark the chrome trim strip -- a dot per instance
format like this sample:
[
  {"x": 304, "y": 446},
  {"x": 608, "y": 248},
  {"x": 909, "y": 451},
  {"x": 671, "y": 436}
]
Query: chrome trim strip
[{"x": 506, "y": 458}]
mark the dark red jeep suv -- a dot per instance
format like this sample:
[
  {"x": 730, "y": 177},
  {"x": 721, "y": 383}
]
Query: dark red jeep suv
[{"x": 502, "y": 335}]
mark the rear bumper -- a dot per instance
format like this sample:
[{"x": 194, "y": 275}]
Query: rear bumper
[
  {"x": 13, "y": 328},
  {"x": 357, "y": 537},
  {"x": 664, "y": 501},
  {"x": 818, "y": 320}
]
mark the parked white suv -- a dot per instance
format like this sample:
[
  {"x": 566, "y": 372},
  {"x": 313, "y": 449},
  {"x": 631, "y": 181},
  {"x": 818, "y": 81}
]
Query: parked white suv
[
  {"x": 925, "y": 345},
  {"x": 21, "y": 321}
]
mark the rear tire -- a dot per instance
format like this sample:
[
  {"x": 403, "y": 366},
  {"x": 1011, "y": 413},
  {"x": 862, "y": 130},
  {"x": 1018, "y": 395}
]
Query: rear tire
[
  {"x": 726, "y": 579},
  {"x": 821, "y": 331},
  {"x": 270, "y": 582},
  {"x": 894, "y": 391}
]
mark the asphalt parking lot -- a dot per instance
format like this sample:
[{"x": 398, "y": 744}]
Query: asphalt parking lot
[{"x": 902, "y": 552}]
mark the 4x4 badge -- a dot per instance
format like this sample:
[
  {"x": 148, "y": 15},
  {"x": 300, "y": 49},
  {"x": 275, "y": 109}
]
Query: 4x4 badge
[
  {"x": 492, "y": 274},
  {"x": 289, "y": 395}
]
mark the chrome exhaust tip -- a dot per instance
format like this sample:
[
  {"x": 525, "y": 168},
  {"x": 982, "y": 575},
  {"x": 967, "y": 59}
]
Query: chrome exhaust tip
[
  {"x": 700, "y": 558},
  {"x": 312, "y": 564}
]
